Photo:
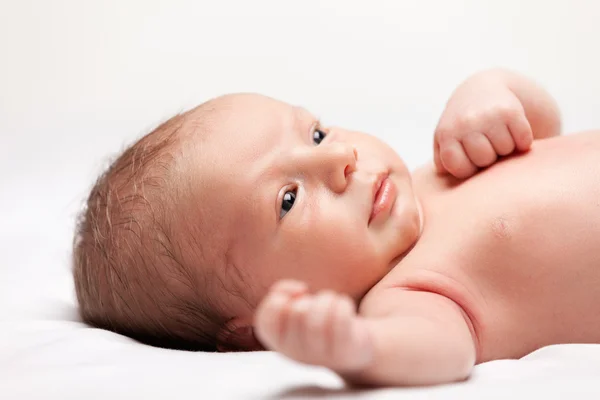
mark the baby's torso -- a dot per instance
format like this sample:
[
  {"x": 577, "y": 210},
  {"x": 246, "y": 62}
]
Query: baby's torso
[{"x": 517, "y": 246}]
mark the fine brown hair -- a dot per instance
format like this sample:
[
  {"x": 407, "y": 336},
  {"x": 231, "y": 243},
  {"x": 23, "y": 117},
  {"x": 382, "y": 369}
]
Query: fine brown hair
[{"x": 130, "y": 273}]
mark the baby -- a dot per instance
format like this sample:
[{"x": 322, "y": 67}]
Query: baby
[{"x": 246, "y": 224}]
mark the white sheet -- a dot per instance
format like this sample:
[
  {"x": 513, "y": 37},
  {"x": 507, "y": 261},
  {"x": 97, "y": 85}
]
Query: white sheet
[
  {"x": 80, "y": 79},
  {"x": 67, "y": 360}
]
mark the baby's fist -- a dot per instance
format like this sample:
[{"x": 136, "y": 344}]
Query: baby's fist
[
  {"x": 482, "y": 120},
  {"x": 319, "y": 329}
]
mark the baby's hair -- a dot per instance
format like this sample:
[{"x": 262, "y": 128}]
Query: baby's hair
[{"x": 130, "y": 273}]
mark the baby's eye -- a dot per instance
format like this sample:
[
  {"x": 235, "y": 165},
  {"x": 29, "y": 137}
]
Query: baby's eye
[
  {"x": 318, "y": 136},
  {"x": 288, "y": 202}
]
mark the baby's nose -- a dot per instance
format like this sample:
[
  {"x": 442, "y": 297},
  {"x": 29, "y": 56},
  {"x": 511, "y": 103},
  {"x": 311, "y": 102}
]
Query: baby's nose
[{"x": 335, "y": 162}]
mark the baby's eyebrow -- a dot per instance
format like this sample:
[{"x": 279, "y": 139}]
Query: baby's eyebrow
[
  {"x": 304, "y": 114},
  {"x": 305, "y": 119}
]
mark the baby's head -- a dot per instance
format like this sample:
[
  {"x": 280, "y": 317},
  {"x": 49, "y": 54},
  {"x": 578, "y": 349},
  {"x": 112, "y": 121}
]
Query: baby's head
[{"x": 185, "y": 232}]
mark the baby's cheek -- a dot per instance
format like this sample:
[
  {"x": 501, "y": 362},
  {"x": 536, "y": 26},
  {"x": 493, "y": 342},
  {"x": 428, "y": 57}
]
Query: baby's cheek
[{"x": 349, "y": 242}]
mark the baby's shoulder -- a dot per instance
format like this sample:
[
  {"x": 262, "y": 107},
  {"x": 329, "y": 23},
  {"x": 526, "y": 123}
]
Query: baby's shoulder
[
  {"x": 417, "y": 289},
  {"x": 408, "y": 291}
]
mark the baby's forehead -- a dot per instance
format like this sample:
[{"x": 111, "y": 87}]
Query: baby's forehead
[
  {"x": 245, "y": 121},
  {"x": 250, "y": 108}
]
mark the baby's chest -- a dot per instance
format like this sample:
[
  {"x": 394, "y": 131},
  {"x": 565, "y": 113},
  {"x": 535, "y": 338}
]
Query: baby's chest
[
  {"x": 525, "y": 247},
  {"x": 521, "y": 288},
  {"x": 524, "y": 264},
  {"x": 526, "y": 223}
]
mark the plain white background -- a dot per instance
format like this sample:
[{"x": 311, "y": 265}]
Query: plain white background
[{"x": 80, "y": 79}]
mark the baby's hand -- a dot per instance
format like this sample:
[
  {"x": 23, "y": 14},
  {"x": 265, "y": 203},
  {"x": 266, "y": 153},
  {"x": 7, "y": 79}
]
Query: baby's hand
[
  {"x": 482, "y": 120},
  {"x": 319, "y": 329}
]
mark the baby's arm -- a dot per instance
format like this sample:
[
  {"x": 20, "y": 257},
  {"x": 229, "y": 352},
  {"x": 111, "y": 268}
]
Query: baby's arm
[
  {"x": 401, "y": 337},
  {"x": 491, "y": 114}
]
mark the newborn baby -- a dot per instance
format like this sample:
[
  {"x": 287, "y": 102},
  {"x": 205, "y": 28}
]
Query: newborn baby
[{"x": 246, "y": 224}]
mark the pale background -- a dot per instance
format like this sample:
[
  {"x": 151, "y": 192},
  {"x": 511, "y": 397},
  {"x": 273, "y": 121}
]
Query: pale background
[{"x": 80, "y": 79}]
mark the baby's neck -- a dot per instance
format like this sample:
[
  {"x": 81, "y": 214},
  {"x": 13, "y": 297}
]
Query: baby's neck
[{"x": 400, "y": 257}]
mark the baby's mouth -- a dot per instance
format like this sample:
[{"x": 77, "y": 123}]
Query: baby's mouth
[{"x": 384, "y": 196}]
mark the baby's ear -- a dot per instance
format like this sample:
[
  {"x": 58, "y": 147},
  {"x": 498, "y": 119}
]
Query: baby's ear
[{"x": 238, "y": 335}]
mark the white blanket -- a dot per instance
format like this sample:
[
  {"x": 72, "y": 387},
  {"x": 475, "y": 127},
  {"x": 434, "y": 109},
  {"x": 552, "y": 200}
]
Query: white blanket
[{"x": 67, "y": 360}]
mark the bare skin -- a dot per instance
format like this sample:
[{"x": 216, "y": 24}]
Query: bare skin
[{"x": 490, "y": 263}]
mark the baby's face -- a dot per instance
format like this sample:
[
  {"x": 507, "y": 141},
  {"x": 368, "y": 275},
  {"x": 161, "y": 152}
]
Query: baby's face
[{"x": 294, "y": 199}]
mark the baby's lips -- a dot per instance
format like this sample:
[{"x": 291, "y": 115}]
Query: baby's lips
[{"x": 375, "y": 188}]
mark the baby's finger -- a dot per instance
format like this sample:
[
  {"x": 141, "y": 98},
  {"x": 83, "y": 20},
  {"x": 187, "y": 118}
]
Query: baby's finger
[
  {"x": 436, "y": 157},
  {"x": 318, "y": 322},
  {"x": 455, "y": 159},
  {"x": 501, "y": 140},
  {"x": 270, "y": 321},
  {"x": 295, "y": 341},
  {"x": 479, "y": 149},
  {"x": 521, "y": 132}
]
